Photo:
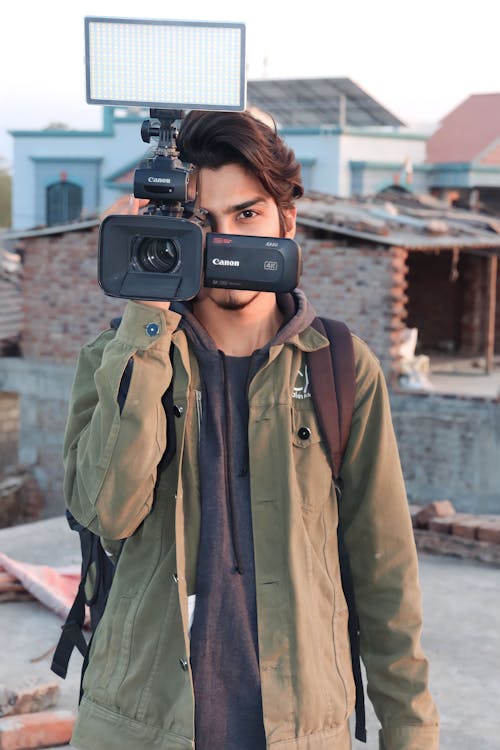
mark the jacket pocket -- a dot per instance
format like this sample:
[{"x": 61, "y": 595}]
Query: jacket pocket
[{"x": 312, "y": 468}]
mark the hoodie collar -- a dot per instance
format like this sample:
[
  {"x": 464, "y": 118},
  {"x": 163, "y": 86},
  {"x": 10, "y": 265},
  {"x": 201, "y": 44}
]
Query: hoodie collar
[{"x": 297, "y": 311}]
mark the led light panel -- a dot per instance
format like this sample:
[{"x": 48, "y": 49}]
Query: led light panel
[{"x": 165, "y": 64}]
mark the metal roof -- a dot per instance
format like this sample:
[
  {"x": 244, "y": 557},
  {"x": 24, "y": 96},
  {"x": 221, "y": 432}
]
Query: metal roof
[
  {"x": 310, "y": 102},
  {"x": 393, "y": 217},
  {"x": 396, "y": 218}
]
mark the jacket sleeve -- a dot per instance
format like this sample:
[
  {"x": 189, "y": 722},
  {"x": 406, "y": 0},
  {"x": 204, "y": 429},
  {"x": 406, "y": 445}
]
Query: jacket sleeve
[
  {"x": 379, "y": 537},
  {"x": 111, "y": 453}
]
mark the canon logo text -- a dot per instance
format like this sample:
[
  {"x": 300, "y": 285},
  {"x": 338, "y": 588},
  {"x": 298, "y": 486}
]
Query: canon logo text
[{"x": 221, "y": 262}]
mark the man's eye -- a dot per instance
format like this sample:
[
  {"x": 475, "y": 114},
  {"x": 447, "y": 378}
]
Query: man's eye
[{"x": 247, "y": 214}]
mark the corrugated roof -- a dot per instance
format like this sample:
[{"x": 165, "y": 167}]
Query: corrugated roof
[
  {"x": 397, "y": 218},
  {"x": 394, "y": 217},
  {"x": 467, "y": 131},
  {"x": 313, "y": 102}
]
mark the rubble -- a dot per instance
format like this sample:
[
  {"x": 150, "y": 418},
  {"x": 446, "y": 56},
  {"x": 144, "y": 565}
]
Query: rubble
[{"x": 28, "y": 700}]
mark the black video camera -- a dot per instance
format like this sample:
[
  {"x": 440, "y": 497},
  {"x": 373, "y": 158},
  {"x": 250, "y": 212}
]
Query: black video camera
[{"x": 166, "y": 253}]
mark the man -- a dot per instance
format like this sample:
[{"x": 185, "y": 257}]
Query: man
[{"x": 226, "y": 625}]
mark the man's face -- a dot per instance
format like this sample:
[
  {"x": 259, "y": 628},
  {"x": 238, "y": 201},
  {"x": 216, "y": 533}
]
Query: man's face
[{"x": 238, "y": 204}]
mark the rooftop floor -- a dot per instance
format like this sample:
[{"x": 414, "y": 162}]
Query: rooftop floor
[
  {"x": 462, "y": 647},
  {"x": 463, "y": 376}
]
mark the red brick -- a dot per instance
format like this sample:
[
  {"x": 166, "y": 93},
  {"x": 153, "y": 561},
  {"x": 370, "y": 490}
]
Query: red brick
[
  {"x": 36, "y": 730},
  {"x": 442, "y": 525},
  {"x": 489, "y": 531},
  {"x": 437, "y": 509},
  {"x": 466, "y": 527}
]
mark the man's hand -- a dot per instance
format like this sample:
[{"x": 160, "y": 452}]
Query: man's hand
[{"x": 125, "y": 205}]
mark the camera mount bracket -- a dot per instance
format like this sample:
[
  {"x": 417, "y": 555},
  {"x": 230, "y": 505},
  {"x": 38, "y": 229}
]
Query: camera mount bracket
[{"x": 164, "y": 180}]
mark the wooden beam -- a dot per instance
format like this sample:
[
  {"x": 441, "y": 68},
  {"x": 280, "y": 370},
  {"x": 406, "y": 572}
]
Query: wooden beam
[{"x": 491, "y": 302}]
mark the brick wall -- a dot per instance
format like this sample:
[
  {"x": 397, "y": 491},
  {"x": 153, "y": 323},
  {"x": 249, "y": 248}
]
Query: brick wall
[
  {"x": 64, "y": 305},
  {"x": 363, "y": 286},
  {"x": 447, "y": 446}
]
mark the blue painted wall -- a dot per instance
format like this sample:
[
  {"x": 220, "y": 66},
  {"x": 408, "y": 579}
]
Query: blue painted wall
[{"x": 95, "y": 160}]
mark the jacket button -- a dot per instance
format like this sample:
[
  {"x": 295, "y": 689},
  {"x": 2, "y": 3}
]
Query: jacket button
[
  {"x": 178, "y": 410},
  {"x": 183, "y": 664},
  {"x": 152, "y": 329},
  {"x": 304, "y": 433},
  {"x": 175, "y": 578}
]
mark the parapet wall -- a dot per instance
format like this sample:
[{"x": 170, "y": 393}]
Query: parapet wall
[{"x": 450, "y": 449}]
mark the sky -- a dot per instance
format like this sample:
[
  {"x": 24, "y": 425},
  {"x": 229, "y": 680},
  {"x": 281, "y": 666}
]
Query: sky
[{"x": 419, "y": 60}]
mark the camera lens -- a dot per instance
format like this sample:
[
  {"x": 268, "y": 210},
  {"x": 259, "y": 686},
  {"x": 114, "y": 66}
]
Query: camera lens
[{"x": 159, "y": 254}]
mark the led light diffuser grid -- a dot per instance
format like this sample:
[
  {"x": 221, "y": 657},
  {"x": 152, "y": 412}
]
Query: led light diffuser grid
[{"x": 165, "y": 64}]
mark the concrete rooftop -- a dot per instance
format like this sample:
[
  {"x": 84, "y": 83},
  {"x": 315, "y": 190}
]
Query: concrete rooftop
[{"x": 462, "y": 622}]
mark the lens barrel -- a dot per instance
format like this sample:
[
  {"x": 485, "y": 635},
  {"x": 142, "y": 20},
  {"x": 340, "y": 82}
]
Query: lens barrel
[{"x": 157, "y": 254}]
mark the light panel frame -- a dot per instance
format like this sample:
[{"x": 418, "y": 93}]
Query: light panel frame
[{"x": 198, "y": 64}]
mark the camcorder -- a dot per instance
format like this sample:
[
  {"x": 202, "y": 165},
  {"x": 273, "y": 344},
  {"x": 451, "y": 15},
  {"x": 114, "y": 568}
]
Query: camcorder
[{"x": 168, "y": 252}]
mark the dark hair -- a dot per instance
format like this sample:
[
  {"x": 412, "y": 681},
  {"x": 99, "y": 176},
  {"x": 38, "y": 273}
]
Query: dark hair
[{"x": 214, "y": 139}]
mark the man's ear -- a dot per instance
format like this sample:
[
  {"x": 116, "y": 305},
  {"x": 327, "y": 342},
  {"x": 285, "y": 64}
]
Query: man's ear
[{"x": 290, "y": 219}]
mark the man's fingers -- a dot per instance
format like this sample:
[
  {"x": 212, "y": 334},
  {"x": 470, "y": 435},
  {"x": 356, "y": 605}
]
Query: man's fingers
[{"x": 125, "y": 205}]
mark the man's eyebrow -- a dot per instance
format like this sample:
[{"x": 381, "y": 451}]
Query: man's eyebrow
[
  {"x": 244, "y": 205},
  {"x": 240, "y": 206}
]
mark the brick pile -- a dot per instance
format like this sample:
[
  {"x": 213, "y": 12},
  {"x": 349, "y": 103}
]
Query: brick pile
[
  {"x": 27, "y": 721},
  {"x": 440, "y": 529}
]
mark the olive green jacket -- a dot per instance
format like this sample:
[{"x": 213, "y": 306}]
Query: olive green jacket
[{"x": 137, "y": 689}]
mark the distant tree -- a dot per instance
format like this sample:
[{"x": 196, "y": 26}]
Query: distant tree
[{"x": 5, "y": 196}]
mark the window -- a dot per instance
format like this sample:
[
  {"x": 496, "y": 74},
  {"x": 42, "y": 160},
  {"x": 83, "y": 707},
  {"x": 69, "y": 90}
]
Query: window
[{"x": 64, "y": 202}]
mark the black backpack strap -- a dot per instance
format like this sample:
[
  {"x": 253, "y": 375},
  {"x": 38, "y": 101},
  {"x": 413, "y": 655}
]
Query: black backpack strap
[
  {"x": 72, "y": 630},
  {"x": 71, "y": 635},
  {"x": 332, "y": 379}
]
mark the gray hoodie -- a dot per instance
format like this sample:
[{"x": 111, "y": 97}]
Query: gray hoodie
[{"x": 224, "y": 641}]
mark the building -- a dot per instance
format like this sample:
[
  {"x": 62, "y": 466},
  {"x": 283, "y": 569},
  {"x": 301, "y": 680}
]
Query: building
[
  {"x": 346, "y": 142},
  {"x": 463, "y": 154},
  {"x": 381, "y": 264}
]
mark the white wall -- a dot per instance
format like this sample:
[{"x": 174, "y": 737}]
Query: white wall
[
  {"x": 323, "y": 150},
  {"x": 390, "y": 148},
  {"x": 333, "y": 151}
]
